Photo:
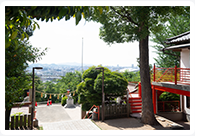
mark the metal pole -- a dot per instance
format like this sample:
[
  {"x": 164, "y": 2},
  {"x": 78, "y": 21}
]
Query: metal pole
[
  {"x": 82, "y": 56},
  {"x": 103, "y": 96},
  {"x": 154, "y": 73},
  {"x": 175, "y": 74},
  {"x": 33, "y": 74}
]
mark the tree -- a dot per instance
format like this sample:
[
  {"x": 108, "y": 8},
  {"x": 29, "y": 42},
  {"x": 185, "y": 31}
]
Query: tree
[
  {"x": 18, "y": 22},
  {"x": 18, "y": 18},
  {"x": 132, "y": 76},
  {"x": 17, "y": 80},
  {"x": 127, "y": 24},
  {"x": 174, "y": 26},
  {"x": 90, "y": 92}
]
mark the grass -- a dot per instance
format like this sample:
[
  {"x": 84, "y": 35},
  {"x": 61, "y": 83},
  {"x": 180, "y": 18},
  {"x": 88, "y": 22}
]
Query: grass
[
  {"x": 96, "y": 124},
  {"x": 40, "y": 128}
]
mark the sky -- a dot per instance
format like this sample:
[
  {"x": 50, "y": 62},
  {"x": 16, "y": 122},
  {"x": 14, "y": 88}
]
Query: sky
[{"x": 64, "y": 40}]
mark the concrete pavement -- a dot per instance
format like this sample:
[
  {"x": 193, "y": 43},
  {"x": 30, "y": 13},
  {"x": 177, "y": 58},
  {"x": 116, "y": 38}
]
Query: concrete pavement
[
  {"x": 48, "y": 114},
  {"x": 56, "y": 117},
  {"x": 82, "y": 124}
]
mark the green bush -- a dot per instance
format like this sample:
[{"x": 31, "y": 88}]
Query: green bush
[
  {"x": 63, "y": 100},
  {"x": 167, "y": 96},
  {"x": 90, "y": 90}
]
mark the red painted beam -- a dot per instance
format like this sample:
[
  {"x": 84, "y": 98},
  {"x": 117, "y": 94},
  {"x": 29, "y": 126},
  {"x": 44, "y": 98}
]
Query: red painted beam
[
  {"x": 154, "y": 98},
  {"x": 172, "y": 90},
  {"x": 139, "y": 90}
]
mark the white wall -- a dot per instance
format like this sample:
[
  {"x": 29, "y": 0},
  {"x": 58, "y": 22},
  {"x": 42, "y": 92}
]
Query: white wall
[
  {"x": 185, "y": 63},
  {"x": 185, "y": 58}
]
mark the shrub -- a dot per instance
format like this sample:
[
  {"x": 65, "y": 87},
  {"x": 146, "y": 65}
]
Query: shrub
[
  {"x": 90, "y": 90},
  {"x": 63, "y": 100},
  {"x": 167, "y": 96}
]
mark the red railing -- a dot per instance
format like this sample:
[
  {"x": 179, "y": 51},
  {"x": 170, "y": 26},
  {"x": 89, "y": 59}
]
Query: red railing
[
  {"x": 98, "y": 112},
  {"x": 173, "y": 106},
  {"x": 175, "y": 75}
]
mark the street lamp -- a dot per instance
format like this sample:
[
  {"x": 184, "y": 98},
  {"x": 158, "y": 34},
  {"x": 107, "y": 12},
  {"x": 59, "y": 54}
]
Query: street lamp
[
  {"x": 33, "y": 101},
  {"x": 103, "y": 96}
]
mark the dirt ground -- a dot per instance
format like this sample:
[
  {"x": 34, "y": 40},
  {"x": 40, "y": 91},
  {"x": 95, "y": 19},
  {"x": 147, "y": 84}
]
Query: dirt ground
[{"x": 136, "y": 124}]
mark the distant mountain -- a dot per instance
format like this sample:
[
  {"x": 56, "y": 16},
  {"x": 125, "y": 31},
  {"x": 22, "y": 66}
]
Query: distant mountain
[
  {"x": 58, "y": 64},
  {"x": 69, "y": 63}
]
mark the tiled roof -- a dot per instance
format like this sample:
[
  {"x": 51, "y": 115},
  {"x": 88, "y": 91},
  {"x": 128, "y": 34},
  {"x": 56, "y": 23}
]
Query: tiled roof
[
  {"x": 179, "y": 39},
  {"x": 177, "y": 47}
]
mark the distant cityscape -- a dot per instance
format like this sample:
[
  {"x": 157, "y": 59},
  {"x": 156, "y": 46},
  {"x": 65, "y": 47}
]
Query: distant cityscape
[{"x": 55, "y": 71}]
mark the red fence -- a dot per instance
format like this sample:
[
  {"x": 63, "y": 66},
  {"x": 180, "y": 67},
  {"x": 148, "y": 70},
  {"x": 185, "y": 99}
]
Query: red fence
[
  {"x": 173, "y": 106},
  {"x": 175, "y": 75}
]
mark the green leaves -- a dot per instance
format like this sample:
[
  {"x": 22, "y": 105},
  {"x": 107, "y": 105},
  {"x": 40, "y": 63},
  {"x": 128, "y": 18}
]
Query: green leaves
[
  {"x": 90, "y": 90},
  {"x": 78, "y": 17},
  {"x": 14, "y": 34},
  {"x": 173, "y": 27}
]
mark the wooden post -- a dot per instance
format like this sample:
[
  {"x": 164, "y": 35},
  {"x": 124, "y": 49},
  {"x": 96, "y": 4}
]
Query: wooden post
[
  {"x": 25, "y": 116},
  {"x": 127, "y": 102},
  {"x": 154, "y": 73},
  {"x": 29, "y": 120},
  {"x": 30, "y": 99},
  {"x": 98, "y": 112},
  {"x": 103, "y": 96},
  {"x": 175, "y": 74},
  {"x": 16, "y": 121},
  {"x": 21, "y": 118},
  {"x": 12, "y": 122}
]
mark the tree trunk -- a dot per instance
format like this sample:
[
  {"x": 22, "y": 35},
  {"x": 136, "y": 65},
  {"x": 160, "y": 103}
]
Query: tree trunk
[
  {"x": 7, "y": 118},
  {"x": 147, "y": 105}
]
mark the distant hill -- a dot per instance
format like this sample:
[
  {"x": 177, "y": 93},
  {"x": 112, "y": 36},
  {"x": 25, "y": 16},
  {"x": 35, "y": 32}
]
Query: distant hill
[{"x": 59, "y": 64}]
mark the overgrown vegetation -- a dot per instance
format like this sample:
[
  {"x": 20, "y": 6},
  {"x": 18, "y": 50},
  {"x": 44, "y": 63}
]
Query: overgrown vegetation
[
  {"x": 132, "y": 76},
  {"x": 59, "y": 86},
  {"x": 90, "y": 90},
  {"x": 167, "y": 96}
]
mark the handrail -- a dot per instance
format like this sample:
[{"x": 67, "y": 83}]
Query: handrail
[
  {"x": 163, "y": 105},
  {"x": 176, "y": 75},
  {"x": 163, "y": 74},
  {"x": 129, "y": 93},
  {"x": 18, "y": 104},
  {"x": 98, "y": 111}
]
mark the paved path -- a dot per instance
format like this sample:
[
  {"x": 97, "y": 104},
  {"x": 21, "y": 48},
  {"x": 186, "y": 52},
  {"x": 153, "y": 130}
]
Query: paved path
[
  {"x": 56, "y": 117},
  {"x": 82, "y": 124},
  {"x": 55, "y": 113}
]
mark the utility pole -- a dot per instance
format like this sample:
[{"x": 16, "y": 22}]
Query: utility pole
[
  {"x": 82, "y": 57},
  {"x": 103, "y": 94}
]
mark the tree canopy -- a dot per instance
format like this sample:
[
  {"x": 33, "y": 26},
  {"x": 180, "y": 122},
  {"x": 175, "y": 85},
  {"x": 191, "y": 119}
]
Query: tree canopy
[
  {"x": 121, "y": 24},
  {"x": 19, "y": 25},
  {"x": 175, "y": 26},
  {"x": 90, "y": 90},
  {"x": 135, "y": 23},
  {"x": 18, "y": 18}
]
